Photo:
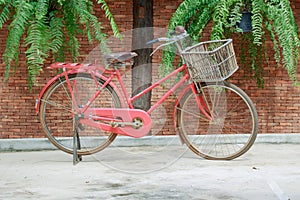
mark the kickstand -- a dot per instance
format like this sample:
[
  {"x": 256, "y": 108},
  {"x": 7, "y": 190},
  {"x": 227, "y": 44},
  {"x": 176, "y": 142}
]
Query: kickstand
[{"x": 76, "y": 145}]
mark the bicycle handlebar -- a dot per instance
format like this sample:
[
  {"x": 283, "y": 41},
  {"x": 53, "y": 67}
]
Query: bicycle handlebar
[
  {"x": 152, "y": 41},
  {"x": 179, "y": 31},
  {"x": 178, "y": 34}
]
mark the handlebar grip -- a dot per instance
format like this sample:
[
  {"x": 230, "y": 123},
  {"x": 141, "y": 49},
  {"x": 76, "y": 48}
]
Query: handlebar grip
[{"x": 152, "y": 41}]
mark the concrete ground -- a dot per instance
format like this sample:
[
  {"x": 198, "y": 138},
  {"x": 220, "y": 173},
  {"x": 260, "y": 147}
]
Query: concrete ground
[{"x": 267, "y": 171}]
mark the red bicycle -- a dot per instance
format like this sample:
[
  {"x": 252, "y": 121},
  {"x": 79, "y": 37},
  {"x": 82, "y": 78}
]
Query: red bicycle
[{"x": 214, "y": 118}]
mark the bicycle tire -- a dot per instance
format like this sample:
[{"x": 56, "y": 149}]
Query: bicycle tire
[
  {"x": 232, "y": 131},
  {"x": 56, "y": 114}
]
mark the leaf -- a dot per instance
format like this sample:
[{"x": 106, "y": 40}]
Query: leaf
[
  {"x": 5, "y": 14},
  {"x": 56, "y": 34},
  {"x": 41, "y": 9},
  {"x": 49, "y": 26},
  {"x": 110, "y": 17},
  {"x": 37, "y": 42},
  {"x": 16, "y": 30}
]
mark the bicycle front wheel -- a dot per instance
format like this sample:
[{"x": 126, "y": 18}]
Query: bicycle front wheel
[
  {"x": 58, "y": 119},
  {"x": 233, "y": 126}
]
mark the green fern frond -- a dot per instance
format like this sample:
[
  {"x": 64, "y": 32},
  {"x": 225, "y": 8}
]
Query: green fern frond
[
  {"x": 110, "y": 17},
  {"x": 219, "y": 20},
  {"x": 184, "y": 16},
  {"x": 283, "y": 22},
  {"x": 186, "y": 10},
  {"x": 16, "y": 30},
  {"x": 60, "y": 56},
  {"x": 4, "y": 2},
  {"x": 74, "y": 48},
  {"x": 274, "y": 16},
  {"x": 49, "y": 26},
  {"x": 220, "y": 16},
  {"x": 5, "y": 14},
  {"x": 235, "y": 15},
  {"x": 98, "y": 34},
  {"x": 37, "y": 47},
  {"x": 56, "y": 34},
  {"x": 72, "y": 29},
  {"x": 82, "y": 10},
  {"x": 257, "y": 19},
  {"x": 197, "y": 26},
  {"x": 41, "y": 9},
  {"x": 276, "y": 48}
]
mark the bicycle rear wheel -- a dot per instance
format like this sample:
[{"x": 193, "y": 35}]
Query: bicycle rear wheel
[
  {"x": 230, "y": 133},
  {"x": 57, "y": 114}
]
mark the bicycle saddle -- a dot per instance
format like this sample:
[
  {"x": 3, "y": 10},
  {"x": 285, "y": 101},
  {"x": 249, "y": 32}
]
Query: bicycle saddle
[{"x": 119, "y": 57}]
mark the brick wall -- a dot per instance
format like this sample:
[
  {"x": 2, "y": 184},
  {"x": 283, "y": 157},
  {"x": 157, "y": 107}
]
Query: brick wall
[{"x": 278, "y": 103}]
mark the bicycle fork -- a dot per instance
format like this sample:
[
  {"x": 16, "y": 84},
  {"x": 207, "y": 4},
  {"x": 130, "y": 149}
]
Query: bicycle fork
[{"x": 201, "y": 102}]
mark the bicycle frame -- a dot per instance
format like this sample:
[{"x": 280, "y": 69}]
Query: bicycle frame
[
  {"x": 156, "y": 84},
  {"x": 127, "y": 114}
]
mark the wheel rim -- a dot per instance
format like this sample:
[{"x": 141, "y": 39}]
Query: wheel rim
[
  {"x": 57, "y": 115},
  {"x": 232, "y": 130}
]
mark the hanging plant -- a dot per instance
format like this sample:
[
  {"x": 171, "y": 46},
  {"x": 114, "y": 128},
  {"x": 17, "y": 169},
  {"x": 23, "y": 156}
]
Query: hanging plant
[
  {"x": 49, "y": 27},
  {"x": 272, "y": 17}
]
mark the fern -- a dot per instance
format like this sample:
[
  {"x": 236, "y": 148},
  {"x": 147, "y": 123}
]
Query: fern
[
  {"x": 256, "y": 57},
  {"x": 37, "y": 48},
  {"x": 5, "y": 14},
  {"x": 72, "y": 28},
  {"x": 220, "y": 16},
  {"x": 276, "y": 47},
  {"x": 201, "y": 21},
  {"x": 50, "y": 27},
  {"x": 82, "y": 10},
  {"x": 16, "y": 30},
  {"x": 235, "y": 14},
  {"x": 56, "y": 34},
  {"x": 99, "y": 35},
  {"x": 186, "y": 10},
  {"x": 41, "y": 9},
  {"x": 284, "y": 26},
  {"x": 274, "y": 16},
  {"x": 257, "y": 19},
  {"x": 110, "y": 18}
]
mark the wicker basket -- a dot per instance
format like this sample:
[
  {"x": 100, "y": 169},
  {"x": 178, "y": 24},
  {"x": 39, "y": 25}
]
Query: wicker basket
[{"x": 210, "y": 61}]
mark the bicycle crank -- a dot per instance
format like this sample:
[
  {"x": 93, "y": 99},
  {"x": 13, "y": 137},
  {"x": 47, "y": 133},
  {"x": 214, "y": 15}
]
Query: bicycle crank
[{"x": 137, "y": 123}]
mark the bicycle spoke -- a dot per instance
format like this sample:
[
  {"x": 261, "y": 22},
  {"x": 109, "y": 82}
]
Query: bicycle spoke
[
  {"x": 232, "y": 130},
  {"x": 57, "y": 108},
  {"x": 230, "y": 127},
  {"x": 65, "y": 89},
  {"x": 236, "y": 105},
  {"x": 57, "y": 105},
  {"x": 193, "y": 114}
]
